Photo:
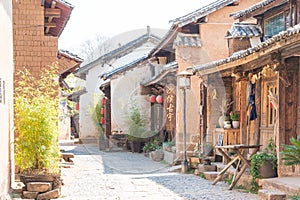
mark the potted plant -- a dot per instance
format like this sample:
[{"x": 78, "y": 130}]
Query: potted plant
[
  {"x": 148, "y": 147},
  {"x": 137, "y": 131},
  {"x": 37, "y": 153},
  {"x": 235, "y": 117},
  {"x": 157, "y": 154},
  {"x": 263, "y": 165}
]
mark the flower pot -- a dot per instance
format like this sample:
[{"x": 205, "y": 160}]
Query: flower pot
[
  {"x": 235, "y": 124},
  {"x": 227, "y": 124},
  {"x": 267, "y": 169},
  {"x": 157, "y": 155}
]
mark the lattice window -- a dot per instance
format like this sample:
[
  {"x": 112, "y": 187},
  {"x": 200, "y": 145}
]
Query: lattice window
[{"x": 274, "y": 25}]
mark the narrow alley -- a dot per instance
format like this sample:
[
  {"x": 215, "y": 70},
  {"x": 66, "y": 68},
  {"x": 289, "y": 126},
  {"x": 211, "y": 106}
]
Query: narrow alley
[{"x": 124, "y": 175}]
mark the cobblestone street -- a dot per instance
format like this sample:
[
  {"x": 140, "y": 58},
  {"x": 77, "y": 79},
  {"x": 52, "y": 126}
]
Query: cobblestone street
[{"x": 124, "y": 175}]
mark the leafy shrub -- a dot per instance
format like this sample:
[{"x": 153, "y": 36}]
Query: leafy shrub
[
  {"x": 291, "y": 153},
  {"x": 36, "y": 121}
]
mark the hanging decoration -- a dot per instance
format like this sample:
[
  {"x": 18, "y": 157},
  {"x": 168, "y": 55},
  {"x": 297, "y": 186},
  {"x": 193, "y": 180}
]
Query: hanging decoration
[
  {"x": 102, "y": 120},
  {"x": 102, "y": 110},
  {"x": 153, "y": 98},
  {"x": 251, "y": 101},
  {"x": 77, "y": 106},
  {"x": 103, "y": 101},
  {"x": 159, "y": 99}
]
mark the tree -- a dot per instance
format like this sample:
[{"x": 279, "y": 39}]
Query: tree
[{"x": 93, "y": 48}]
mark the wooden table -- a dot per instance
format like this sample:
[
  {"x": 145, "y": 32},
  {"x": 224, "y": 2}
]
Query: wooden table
[{"x": 242, "y": 161}]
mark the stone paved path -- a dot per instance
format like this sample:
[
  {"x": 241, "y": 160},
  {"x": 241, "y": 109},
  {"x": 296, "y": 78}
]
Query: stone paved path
[{"x": 124, "y": 175}]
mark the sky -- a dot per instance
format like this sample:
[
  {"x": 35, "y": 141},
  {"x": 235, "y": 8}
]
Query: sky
[{"x": 112, "y": 17}]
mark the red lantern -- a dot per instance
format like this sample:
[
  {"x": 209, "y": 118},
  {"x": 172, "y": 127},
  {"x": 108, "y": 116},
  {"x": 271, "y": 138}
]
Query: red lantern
[
  {"x": 102, "y": 111},
  {"x": 102, "y": 120},
  {"x": 152, "y": 98},
  {"x": 103, "y": 101},
  {"x": 77, "y": 106},
  {"x": 271, "y": 105},
  {"x": 159, "y": 99}
]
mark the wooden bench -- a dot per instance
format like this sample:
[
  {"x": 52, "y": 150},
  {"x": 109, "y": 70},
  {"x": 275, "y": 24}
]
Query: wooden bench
[{"x": 67, "y": 156}]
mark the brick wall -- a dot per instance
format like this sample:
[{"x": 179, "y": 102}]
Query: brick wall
[{"x": 32, "y": 48}]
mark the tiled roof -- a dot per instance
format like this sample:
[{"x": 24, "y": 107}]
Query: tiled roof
[
  {"x": 121, "y": 50},
  {"x": 124, "y": 67},
  {"x": 284, "y": 35},
  {"x": 70, "y": 55},
  {"x": 187, "y": 40},
  {"x": 207, "y": 7},
  {"x": 241, "y": 30},
  {"x": 210, "y": 6},
  {"x": 170, "y": 67},
  {"x": 256, "y": 6}
]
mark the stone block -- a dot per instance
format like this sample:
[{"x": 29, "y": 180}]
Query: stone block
[
  {"x": 207, "y": 168},
  {"x": 53, "y": 194},
  {"x": 29, "y": 195},
  {"x": 271, "y": 195},
  {"x": 169, "y": 157},
  {"x": 38, "y": 186},
  {"x": 213, "y": 175}
]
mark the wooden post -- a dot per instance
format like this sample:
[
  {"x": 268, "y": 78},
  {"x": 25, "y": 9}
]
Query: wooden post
[{"x": 243, "y": 89}]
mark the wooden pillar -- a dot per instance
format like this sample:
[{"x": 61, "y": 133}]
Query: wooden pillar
[
  {"x": 256, "y": 138},
  {"x": 243, "y": 90}
]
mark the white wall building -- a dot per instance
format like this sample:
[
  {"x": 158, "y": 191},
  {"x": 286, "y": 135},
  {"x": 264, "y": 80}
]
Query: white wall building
[
  {"x": 125, "y": 49},
  {"x": 6, "y": 96}
]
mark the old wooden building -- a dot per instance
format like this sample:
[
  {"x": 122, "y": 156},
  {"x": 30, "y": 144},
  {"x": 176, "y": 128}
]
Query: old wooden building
[{"x": 260, "y": 77}]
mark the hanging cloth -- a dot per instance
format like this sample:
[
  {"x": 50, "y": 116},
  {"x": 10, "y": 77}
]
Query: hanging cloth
[{"x": 251, "y": 101}]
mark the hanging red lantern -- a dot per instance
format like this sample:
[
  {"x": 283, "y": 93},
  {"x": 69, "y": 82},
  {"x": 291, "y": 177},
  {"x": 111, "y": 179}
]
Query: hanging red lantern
[
  {"x": 159, "y": 99},
  {"x": 102, "y": 120},
  {"x": 102, "y": 111},
  {"x": 271, "y": 105},
  {"x": 103, "y": 101},
  {"x": 152, "y": 98},
  {"x": 77, "y": 106}
]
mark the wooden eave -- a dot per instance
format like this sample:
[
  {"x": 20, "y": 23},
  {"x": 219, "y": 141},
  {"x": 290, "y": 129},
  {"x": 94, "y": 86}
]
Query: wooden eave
[
  {"x": 56, "y": 16},
  {"x": 286, "y": 48}
]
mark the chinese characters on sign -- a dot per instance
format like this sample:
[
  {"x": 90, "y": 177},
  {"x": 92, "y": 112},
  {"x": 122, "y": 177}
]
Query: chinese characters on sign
[{"x": 170, "y": 106}]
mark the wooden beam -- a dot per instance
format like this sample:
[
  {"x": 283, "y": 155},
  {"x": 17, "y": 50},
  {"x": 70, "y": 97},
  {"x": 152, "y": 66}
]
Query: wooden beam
[
  {"x": 50, "y": 24},
  {"x": 52, "y": 12},
  {"x": 53, "y": 4}
]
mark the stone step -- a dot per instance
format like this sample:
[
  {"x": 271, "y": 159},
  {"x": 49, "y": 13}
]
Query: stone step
[
  {"x": 265, "y": 194},
  {"x": 213, "y": 175},
  {"x": 207, "y": 168},
  {"x": 287, "y": 185}
]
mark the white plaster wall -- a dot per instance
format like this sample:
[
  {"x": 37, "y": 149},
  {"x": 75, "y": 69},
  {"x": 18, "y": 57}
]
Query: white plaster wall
[
  {"x": 87, "y": 127},
  {"x": 124, "y": 89},
  {"x": 6, "y": 109}
]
